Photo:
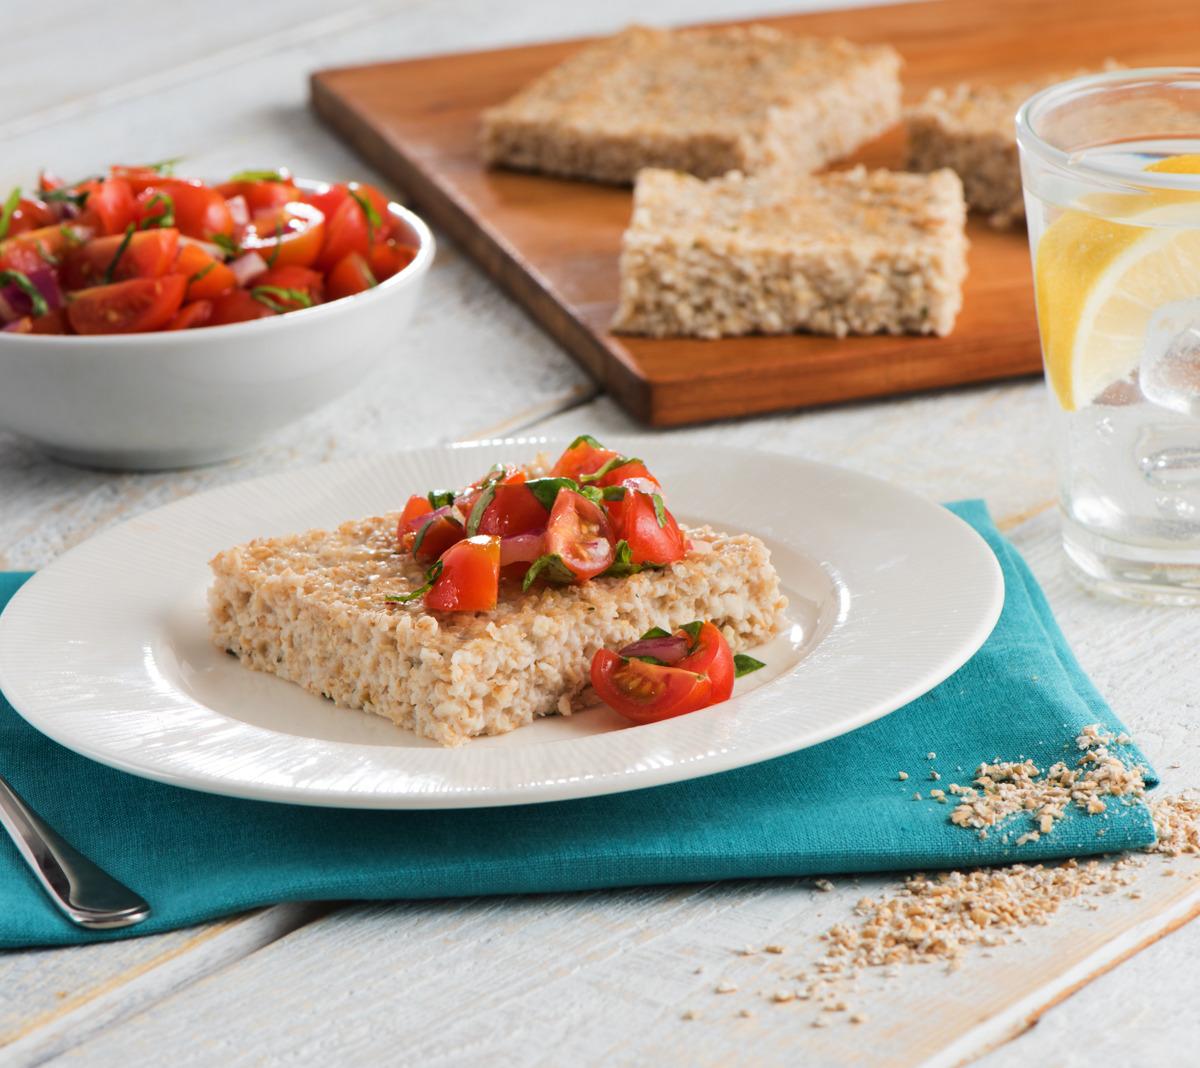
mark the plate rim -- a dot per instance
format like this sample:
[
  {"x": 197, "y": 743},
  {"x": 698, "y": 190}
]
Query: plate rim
[{"x": 714, "y": 762}]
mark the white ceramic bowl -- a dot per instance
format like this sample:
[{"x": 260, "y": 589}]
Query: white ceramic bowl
[{"x": 187, "y": 397}]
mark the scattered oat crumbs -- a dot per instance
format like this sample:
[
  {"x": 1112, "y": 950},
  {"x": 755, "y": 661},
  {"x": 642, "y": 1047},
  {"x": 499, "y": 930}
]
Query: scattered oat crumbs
[
  {"x": 917, "y": 796},
  {"x": 781, "y": 996},
  {"x": 935, "y": 776},
  {"x": 1176, "y": 825},
  {"x": 689, "y": 1014},
  {"x": 745, "y": 1013},
  {"x": 699, "y": 970},
  {"x": 931, "y": 755},
  {"x": 902, "y": 775},
  {"x": 820, "y": 1021},
  {"x": 858, "y": 1017},
  {"x": 824, "y": 885},
  {"x": 774, "y": 947},
  {"x": 725, "y": 987},
  {"x": 937, "y": 795}
]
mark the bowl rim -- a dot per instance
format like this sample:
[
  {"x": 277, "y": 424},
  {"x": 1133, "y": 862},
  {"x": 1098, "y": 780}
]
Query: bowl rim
[{"x": 426, "y": 247}]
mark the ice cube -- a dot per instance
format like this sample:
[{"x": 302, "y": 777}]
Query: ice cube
[{"x": 1170, "y": 371}]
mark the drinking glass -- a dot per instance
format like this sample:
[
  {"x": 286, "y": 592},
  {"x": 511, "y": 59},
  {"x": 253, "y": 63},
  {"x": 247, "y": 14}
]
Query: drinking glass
[{"x": 1111, "y": 170}]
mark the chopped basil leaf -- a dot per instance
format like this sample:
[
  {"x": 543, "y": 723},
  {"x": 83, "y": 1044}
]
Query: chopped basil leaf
[
  {"x": 660, "y": 511},
  {"x": 202, "y": 272},
  {"x": 165, "y": 166},
  {"x": 257, "y": 176},
  {"x": 226, "y": 244},
  {"x": 73, "y": 195},
  {"x": 440, "y": 498},
  {"x": 613, "y": 493},
  {"x": 585, "y": 438},
  {"x": 546, "y": 489},
  {"x": 655, "y": 632},
  {"x": 592, "y": 493},
  {"x": 37, "y": 303},
  {"x": 374, "y": 222},
  {"x": 112, "y": 264},
  {"x": 623, "y": 564},
  {"x": 278, "y": 244},
  {"x": 70, "y": 235},
  {"x": 648, "y": 660},
  {"x": 692, "y": 630},
  {"x": 160, "y": 211},
  {"x": 274, "y": 296},
  {"x": 431, "y": 576},
  {"x": 743, "y": 665},
  {"x": 611, "y": 465},
  {"x": 551, "y": 568},
  {"x": 481, "y": 506},
  {"x": 46, "y": 254},
  {"x": 6, "y": 213}
]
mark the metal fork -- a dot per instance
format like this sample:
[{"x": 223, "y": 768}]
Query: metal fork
[{"x": 86, "y": 894}]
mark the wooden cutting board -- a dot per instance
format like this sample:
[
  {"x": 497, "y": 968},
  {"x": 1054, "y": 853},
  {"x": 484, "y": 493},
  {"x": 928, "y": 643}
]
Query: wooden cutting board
[{"x": 553, "y": 244}]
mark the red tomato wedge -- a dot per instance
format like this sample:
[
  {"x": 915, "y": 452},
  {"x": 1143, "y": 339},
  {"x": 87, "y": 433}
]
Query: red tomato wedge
[
  {"x": 139, "y": 178},
  {"x": 635, "y": 519},
  {"x": 631, "y": 471},
  {"x": 389, "y": 259},
  {"x": 36, "y": 248},
  {"x": 513, "y": 510},
  {"x": 647, "y": 693},
  {"x": 261, "y": 195},
  {"x": 29, "y": 214},
  {"x": 345, "y": 232},
  {"x": 238, "y": 306},
  {"x": 110, "y": 204},
  {"x": 583, "y": 456},
  {"x": 300, "y": 279},
  {"x": 710, "y": 655},
  {"x": 434, "y": 536},
  {"x": 351, "y": 275},
  {"x": 579, "y": 533},
  {"x": 126, "y": 307},
  {"x": 191, "y": 315},
  {"x": 291, "y": 235},
  {"x": 327, "y": 198},
  {"x": 199, "y": 211},
  {"x": 416, "y": 508},
  {"x": 207, "y": 277},
  {"x": 146, "y": 254},
  {"x": 470, "y": 577}
]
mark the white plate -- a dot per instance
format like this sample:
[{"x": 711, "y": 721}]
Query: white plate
[{"x": 107, "y": 650}]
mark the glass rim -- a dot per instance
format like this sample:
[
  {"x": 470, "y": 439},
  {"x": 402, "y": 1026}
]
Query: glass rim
[{"x": 1032, "y": 109}]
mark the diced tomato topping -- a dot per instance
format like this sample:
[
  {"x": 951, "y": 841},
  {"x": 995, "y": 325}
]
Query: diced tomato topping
[
  {"x": 53, "y": 322},
  {"x": 238, "y": 306},
  {"x": 710, "y": 655},
  {"x": 631, "y": 471},
  {"x": 416, "y": 508},
  {"x": 470, "y": 577},
  {"x": 327, "y": 198},
  {"x": 199, "y": 211},
  {"x": 580, "y": 534},
  {"x": 291, "y": 235},
  {"x": 434, "y": 536},
  {"x": 389, "y": 259},
  {"x": 351, "y": 275},
  {"x": 207, "y": 277},
  {"x": 110, "y": 204},
  {"x": 126, "y": 307},
  {"x": 345, "y": 232},
  {"x": 37, "y": 248},
  {"x": 513, "y": 510},
  {"x": 263, "y": 195},
  {"x": 139, "y": 178},
  {"x": 582, "y": 457},
  {"x": 146, "y": 254},
  {"x": 190, "y": 315},
  {"x": 646, "y": 693},
  {"x": 29, "y": 214},
  {"x": 300, "y": 279},
  {"x": 635, "y": 519}
]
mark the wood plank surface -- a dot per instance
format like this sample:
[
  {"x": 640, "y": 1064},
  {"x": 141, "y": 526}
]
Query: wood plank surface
[{"x": 554, "y": 243}]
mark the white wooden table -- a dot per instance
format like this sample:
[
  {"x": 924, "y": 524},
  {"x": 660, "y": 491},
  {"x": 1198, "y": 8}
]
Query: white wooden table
[{"x": 564, "y": 979}]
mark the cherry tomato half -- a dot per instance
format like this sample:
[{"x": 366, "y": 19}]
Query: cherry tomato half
[
  {"x": 513, "y": 510},
  {"x": 631, "y": 471},
  {"x": 191, "y": 315},
  {"x": 434, "y": 536},
  {"x": 148, "y": 254},
  {"x": 415, "y": 508},
  {"x": 262, "y": 195},
  {"x": 199, "y": 211},
  {"x": 581, "y": 458},
  {"x": 470, "y": 577},
  {"x": 110, "y": 204},
  {"x": 580, "y": 534},
  {"x": 291, "y": 235},
  {"x": 207, "y": 277},
  {"x": 350, "y": 275},
  {"x": 646, "y": 693},
  {"x": 35, "y": 248},
  {"x": 238, "y": 306},
  {"x": 388, "y": 259},
  {"x": 29, "y": 214},
  {"x": 299, "y": 278},
  {"x": 635, "y": 519},
  {"x": 710, "y": 656},
  {"x": 138, "y": 305}
]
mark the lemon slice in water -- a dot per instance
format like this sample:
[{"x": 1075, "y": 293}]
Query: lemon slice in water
[{"x": 1099, "y": 281}]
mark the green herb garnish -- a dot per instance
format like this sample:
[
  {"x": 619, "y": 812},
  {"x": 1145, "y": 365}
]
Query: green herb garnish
[
  {"x": 6, "y": 213},
  {"x": 613, "y": 493},
  {"x": 160, "y": 211},
  {"x": 481, "y": 506},
  {"x": 546, "y": 489},
  {"x": 202, "y": 272},
  {"x": 257, "y": 176},
  {"x": 660, "y": 511},
  {"x": 440, "y": 498},
  {"x": 374, "y": 222},
  {"x": 655, "y": 632},
  {"x": 70, "y": 235},
  {"x": 226, "y": 244},
  {"x": 551, "y": 568},
  {"x": 37, "y": 303},
  {"x": 692, "y": 630},
  {"x": 46, "y": 255},
  {"x": 623, "y": 565},
  {"x": 611, "y": 465},
  {"x": 112, "y": 264},
  {"x": 420, "y": 538},
  {"x": 278, "y": 244},
  {"x": 743, "y": 665},
  {"x": 165, "y": 167},
  {"x": 585, "y": 438},
  {"x": 72, "y": 195},
  {"x": 274, "y": 296},
  {"x": 431, "y": 576}
]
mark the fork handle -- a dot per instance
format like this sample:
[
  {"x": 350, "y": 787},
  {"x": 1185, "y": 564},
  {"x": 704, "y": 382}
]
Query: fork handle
[{"x": 86, "y": 894}]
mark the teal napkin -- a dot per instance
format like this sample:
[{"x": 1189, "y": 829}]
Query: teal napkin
[{"x": 837, "y": 807}]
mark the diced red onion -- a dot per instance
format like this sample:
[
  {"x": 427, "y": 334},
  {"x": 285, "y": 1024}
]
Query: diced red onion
[
  {"x": 238, "y": 210},
  {"x": 15, "y": 302},
  {"x": 642, "y": 485},
  {"x": 18, "y": 326},
  {"x": 47, "y": 284},
  {"x": 521, "y": 548},
  {"x": 669, "y": 650},
  {"x": 247, "y": 267}
]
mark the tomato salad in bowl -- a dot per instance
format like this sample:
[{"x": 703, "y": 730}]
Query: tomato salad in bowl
[
  {"x": 151, "y": 321},
  {"x": 140, "y": 249}
]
